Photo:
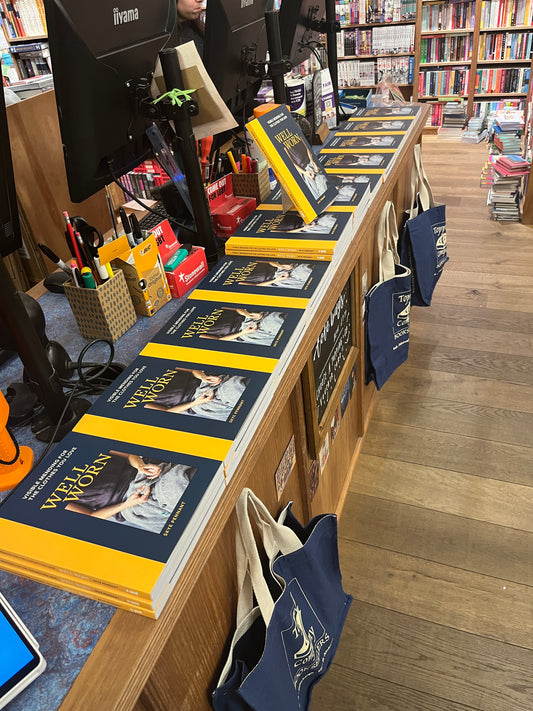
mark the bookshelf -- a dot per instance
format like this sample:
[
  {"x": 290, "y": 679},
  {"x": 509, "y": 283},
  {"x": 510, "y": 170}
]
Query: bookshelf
[
  {"x": 376, "y": 37},
  {"x": 23, "y": 40},
  {"x": 477, "y": 51}
]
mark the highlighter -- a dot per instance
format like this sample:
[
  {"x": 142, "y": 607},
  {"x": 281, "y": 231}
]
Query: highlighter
[
  {"x": 178, "y": 257},
  {"x": 87, "y": 278}
]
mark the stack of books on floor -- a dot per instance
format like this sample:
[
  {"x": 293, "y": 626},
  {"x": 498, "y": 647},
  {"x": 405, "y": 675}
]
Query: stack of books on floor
[
  {"x": 453, "y": 120},
  {"x": 115, "y": 511},
  {"x": 504, "y": 191},
  {"x": 506, "y": 142},
  {"x": 476, "y": 130}
]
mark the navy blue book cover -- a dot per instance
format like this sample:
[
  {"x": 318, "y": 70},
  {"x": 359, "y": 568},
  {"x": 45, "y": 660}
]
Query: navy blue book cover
[
  {"x": 274, "y": 225},
  {"x": 368, "y": 126},
  {"x": 383, "y": 142},
  {"x": 289, "y": 281},
  {"x": 409, "y": 110},
  {"x": 357, "y": 162},
  {"x": 232, "y": 328},
  {"x": 351, "y": 189},
  {"x": 180, "y": 396},
  {"x": 125, "y": 498}
]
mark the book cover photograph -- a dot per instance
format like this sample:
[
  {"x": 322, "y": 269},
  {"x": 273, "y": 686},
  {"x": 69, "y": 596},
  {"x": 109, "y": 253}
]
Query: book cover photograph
[
  {"x": 179, "y": 396},
  {"x": 357, "y": 162},
  {"x": 236, "y": 329},
  {"x": 281, "y": 225},
  {"x": 352, "y": 190},
  {"x": 340, "y": 142},
  {"x": 289, "y": 154},
  {"x": 288, "y": 283},
  {"x": 408, "y": 111},
  {"x": 376, "y": 125},
  {"x": 106, "y": 511}
]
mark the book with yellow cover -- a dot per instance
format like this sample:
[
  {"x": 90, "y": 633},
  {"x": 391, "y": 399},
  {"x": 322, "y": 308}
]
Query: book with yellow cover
[
  {"x": 124, "y": 515},
  {"x": 290, "y": 156}
]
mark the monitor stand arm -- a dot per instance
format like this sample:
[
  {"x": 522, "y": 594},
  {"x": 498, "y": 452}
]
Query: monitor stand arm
[{"x": 186, "y": 143}]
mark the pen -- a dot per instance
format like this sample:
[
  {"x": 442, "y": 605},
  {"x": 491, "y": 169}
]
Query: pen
[
  {"x": 71, "y": 238},
  {"x": 136, "y": 229},
  {"x": 126, "y": 226},
  {"x": 244, "y": 164},
  {"x": 54, "y": 258},
  {"x": 232, "y": 162},
  {"x": 75, "y": 273}
]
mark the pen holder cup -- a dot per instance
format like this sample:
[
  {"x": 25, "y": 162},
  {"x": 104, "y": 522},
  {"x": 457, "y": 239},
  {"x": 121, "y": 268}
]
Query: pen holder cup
[
  {"x": 104, "y": 312},
  {"x": 256, "y": 185}
]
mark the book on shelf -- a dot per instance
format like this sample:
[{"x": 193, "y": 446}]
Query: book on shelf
[
  {"x": 276, "y": 232},
  {"x": 283, "y": 144},
  {"x": 114, "y": 522},
  {"x": 359, "y": 126}
]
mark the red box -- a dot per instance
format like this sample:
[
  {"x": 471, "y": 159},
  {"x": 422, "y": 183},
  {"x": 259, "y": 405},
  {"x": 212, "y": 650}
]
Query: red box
[
  {"x": 166, "y": 240},
  {"x": 227, "y": 210},
  {"x": 188, "y": 273}
]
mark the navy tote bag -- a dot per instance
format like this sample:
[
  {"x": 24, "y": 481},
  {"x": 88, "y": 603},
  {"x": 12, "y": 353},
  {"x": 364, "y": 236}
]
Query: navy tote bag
[
  {"x": 423, "y": 245},
  {"x": 387, "y": 305},
  {"x": 285, "y": 643}
]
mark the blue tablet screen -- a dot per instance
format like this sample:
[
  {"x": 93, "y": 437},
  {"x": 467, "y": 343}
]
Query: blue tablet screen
[{"x": 14, "y": 654}]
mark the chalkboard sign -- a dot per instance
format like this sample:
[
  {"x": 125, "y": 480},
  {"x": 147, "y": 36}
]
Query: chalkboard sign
[
  {"x": 331, "y": 350},
  {"x": 333, "y": 355}
]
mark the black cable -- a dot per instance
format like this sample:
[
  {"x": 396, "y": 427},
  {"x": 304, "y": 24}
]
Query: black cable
[
  {"x": 51, "y": 441},
  {"x": 17, "y": 449}
]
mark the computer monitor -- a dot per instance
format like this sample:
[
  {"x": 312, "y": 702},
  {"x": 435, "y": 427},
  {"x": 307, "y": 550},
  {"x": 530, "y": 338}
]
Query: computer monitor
[
  {"x": 103, "y": 56},
  {"x": 10, "y": 237},
  {"x": 235, "y": 40},
  {"x": 299, "y": 28}
]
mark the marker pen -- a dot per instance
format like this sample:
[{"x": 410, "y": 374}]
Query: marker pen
[
  {"x": 52, "y": 256},
  {"x": 87, "y": 278},
  {"x": 126, "y": 226}
]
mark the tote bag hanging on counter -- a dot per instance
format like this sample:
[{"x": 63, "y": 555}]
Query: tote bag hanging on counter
[
  {"x": 285, "y": 644},
  {"x": 387, "y": 305},
  {"x": 423, "y": 242}
]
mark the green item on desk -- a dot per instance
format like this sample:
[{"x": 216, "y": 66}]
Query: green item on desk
[{"x": 87, "y": 278}]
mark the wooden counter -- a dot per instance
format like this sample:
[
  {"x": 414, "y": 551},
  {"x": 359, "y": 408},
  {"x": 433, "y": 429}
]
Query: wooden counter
[{"x": 175, "y": 662}]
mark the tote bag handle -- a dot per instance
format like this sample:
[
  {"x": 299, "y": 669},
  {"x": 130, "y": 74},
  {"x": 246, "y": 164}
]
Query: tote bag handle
[
  {"x": 420, "y": 187},
  {"x": 387, "y": 242},
  {"x": 275, "y": 537}
]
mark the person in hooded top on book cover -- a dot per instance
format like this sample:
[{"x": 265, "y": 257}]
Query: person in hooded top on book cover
[
  {"x": 302, "y": 159},
  {"x": 134, "y": 491},
  {"x": 193, "y": 392},
  {"x": 286, "y": 275},
  {"x": 259, "y": 328}
]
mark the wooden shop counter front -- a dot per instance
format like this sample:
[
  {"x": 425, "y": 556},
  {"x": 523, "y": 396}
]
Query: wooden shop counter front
[{"x": 174, "y": 662}]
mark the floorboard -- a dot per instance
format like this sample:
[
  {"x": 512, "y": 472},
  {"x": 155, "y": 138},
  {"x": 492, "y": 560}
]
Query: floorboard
[{"x": 436, "y": 535}]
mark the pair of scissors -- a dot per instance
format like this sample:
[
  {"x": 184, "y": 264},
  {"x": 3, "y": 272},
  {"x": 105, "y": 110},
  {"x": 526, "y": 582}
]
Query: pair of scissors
[{"x": 91, "y": 236}]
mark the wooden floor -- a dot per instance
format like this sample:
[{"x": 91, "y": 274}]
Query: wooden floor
[{"x": 436, "y": 536}]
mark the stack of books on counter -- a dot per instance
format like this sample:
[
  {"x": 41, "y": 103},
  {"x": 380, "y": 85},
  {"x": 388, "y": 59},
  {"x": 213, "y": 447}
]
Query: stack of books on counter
[{"x": 115, "y": 511}]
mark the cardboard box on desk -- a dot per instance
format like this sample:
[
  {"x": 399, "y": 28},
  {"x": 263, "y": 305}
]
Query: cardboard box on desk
[
  {"x": 227, "y": 210},
  {"x": 188, "y": 273},
  {"x": 104, "y": 312},
  {"x": 143, "y": 271}
]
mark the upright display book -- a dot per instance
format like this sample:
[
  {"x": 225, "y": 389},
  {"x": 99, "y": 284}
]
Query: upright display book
[
  {"x": 285, "y": 147},
  {"x": 179, "y": 405},
  {"x": 381, "y": 142},
  {"x": 253, "y": 335},
  {"x": 265, "y": 282},
  {"x": 350, "y": 161},
  {"x": 122, "y": 515}
]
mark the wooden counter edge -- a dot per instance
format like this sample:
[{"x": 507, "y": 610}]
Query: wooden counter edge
[{"x": 119, "y": 666}]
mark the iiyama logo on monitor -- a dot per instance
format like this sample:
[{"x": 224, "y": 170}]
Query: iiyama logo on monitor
[
  {"x": 246, "y": 3},
  {"x": 122, "y": 16}
]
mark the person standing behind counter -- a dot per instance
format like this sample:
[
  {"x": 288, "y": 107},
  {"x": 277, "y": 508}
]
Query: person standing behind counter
[{"x": 190, "y": 24}]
